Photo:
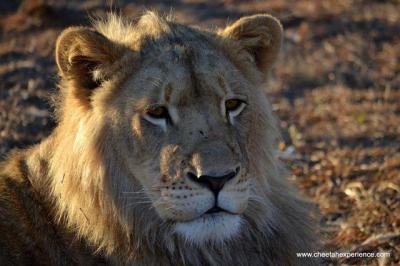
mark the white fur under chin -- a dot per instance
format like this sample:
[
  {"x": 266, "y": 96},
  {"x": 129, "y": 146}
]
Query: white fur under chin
[{"x": 214, "y": 227}]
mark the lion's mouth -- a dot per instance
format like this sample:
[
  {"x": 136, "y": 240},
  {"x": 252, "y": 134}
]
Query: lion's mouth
[
  {"x": 214, "y": 210},
  {"x": 210, "y": 214},
  {"x": 217, "y": 209}
]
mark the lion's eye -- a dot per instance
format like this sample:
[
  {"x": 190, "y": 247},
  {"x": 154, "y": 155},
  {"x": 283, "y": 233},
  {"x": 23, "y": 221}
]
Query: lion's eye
[
  {"x": 158, "y": 112},
  {"x": 233, "y": 108},
  {"x": 158, "y": 115},
  {"x": 233, "y": 104}
]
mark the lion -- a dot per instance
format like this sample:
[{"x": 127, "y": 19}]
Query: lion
[{"x": 165, "y": 153}]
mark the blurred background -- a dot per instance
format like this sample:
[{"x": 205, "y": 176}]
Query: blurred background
[{"x": 336, "y": 90}]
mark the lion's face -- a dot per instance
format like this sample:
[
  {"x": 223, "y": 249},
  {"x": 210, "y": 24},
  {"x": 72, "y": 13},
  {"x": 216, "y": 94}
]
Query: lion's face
[
  {"x": 188, "y": 114},
  {"x": 183, "y": 117}
]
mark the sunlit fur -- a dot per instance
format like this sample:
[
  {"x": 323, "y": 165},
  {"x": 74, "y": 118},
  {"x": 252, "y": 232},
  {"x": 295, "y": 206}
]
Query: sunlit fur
[{"x": 105, "y": 164}]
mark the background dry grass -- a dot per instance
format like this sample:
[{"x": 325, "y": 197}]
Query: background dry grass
[{"x": 336, "y": 90}]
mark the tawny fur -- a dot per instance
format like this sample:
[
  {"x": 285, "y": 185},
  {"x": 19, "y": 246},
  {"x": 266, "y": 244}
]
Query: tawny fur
[{"x": 61, "y": 201}]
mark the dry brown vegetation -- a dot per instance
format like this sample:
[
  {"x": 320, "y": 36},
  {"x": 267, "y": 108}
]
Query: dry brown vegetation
[{"x": 336, "y": 90}]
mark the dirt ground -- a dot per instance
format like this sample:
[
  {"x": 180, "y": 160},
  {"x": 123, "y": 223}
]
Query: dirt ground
[{"x": 336, "y": 91}]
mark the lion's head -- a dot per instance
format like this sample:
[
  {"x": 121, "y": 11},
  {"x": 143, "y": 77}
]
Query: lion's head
[{"x": 166, "y": 136}]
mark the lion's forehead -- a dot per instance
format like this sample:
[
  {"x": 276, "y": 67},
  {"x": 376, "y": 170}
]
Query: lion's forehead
[{"x": 184, "y": 75}]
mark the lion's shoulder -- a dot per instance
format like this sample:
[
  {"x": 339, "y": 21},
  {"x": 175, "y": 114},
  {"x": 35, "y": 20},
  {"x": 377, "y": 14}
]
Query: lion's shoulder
[
  {"x": 29, "y": 234},
  {"x": 16, "y": 228}
]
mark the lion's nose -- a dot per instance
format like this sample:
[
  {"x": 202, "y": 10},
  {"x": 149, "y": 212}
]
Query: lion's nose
[{"x": 214, "y": 183}]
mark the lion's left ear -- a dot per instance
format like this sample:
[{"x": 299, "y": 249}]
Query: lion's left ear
[{"x": 258, "y": 35}]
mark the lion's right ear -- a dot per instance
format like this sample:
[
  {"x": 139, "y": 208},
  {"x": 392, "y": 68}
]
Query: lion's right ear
[
  {"x": 83, "y": 55},
  {"x": 260, "y": 36}
]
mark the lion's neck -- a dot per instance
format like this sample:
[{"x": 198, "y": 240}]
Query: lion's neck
[
  {"x": 72, "y": 179},
  {"x": 37, "y": 160}
]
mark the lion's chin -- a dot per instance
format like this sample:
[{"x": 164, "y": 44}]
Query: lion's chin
[{"x": 213, "y": 227}]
